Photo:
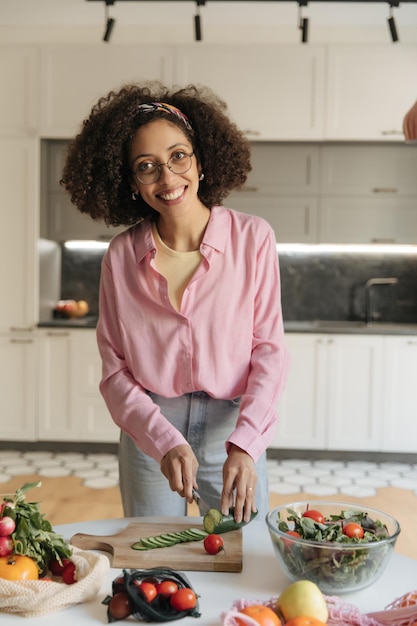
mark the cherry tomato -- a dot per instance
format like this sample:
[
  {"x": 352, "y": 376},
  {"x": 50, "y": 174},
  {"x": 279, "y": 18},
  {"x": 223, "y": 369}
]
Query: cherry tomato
[
  {"x": 120, "y": 606},
  {"x": 56, "y": 567},
  {"x": 213, "y": 544},
  {"x": 68, "y": 575},
  {"x": 166, "y": 588},
  {"x": 353, "y": 530},
  {"x": 148, "y": 590},
  {"x": 288, "y": 543},
  {"x": 183, "y": 600},
  {"x": 314, "y": 515}
]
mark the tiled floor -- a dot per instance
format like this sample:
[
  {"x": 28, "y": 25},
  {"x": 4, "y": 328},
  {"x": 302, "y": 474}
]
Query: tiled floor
[
  {"x": 324, "y": 478},
  {"x": 321, "y": 478}
]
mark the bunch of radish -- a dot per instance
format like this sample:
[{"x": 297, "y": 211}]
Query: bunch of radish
[{"x": 7, "y": 527}]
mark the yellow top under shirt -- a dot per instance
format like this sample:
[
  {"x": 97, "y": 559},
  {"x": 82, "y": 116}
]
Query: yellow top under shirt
[{"x": 177, "y": 267}]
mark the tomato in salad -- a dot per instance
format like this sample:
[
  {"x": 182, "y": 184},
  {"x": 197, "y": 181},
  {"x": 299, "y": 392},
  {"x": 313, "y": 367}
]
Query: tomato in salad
[{"x": 353, "y": 530}]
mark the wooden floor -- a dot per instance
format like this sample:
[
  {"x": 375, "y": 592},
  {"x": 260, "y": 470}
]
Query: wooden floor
[{"x": 66, "y": 500}]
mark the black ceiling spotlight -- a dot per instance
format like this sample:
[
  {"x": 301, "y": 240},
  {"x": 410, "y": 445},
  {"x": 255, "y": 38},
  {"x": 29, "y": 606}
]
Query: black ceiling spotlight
[
  {"x": 303, "y": 21},
  {"x": 110, "y": 22},
  {"x": 391, "y": 20},
  {"x": 197, "y": 20}
]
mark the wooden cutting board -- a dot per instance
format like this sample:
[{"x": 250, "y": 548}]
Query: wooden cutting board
[{"x": 183, "y": 556}]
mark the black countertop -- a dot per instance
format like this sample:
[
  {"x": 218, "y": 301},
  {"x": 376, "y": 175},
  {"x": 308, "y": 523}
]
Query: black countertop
[{"x": 89, "y": 321}]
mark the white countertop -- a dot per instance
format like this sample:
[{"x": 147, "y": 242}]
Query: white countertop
[{"x": 260, "y": 579}]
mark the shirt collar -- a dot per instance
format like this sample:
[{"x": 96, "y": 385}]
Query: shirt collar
[{"x": 216, "y": 234}]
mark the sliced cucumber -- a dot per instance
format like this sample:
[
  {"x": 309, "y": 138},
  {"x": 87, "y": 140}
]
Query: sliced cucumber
[
  {"x": 166, "y": 540},
  {"x": 216, "y": 523}
]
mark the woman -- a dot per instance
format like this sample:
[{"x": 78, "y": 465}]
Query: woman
[{"x": 190, "y": 328}]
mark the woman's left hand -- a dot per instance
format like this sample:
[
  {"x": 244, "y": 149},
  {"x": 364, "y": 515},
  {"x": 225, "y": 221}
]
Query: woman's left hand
[{"x": 239, "y": 475}]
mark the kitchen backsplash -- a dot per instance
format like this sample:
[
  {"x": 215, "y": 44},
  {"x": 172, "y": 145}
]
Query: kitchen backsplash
[{"x": 328, "y": 286}]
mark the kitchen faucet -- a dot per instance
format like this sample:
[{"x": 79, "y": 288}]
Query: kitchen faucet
[{"x": 372, "y": 282}]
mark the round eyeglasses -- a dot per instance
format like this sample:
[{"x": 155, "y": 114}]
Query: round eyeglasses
[{"x": 149, "y": 172}]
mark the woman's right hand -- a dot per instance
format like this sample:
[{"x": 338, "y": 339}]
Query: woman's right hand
[{"x": 179, "y": 466}]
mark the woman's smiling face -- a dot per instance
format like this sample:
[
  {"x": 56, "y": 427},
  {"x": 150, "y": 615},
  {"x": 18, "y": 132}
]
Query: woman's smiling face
[{"x": 157, "y": 143}]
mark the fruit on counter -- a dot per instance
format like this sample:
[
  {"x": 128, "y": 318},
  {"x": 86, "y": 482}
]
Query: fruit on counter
[
  {"x": 33, "y": 535},
  {"x": 305, "y": 620},
  {"x": 213, "y": 544},
  {"x": 302, "y": 597},
  {"x": 183, "y": 600},
  {"x": 119, "y": 607},
  {"x": 158, "y": 594},
  {"x": 72, "y": 308},
  {"x": 18, "y": 567},
  {"x": 262, "y": 614}
]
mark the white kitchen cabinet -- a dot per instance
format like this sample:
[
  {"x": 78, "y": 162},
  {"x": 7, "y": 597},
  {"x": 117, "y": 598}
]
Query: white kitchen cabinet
[
  {"x": 283, "y": 189},
  {"x": 283, "y": 169},
  {"x": 294, "y": 219},
  {"x": 18, "y": 387},
  {"x": 362, "y": 219},
  {"x": 373, "y": 170},
  {"x": 55, "y": 423},
  {"x": 302, "y": 408},
  {"x": 90, "y": 417},
  {"x": 273, "y": 92},
  {"x": 19, "y": 184},
  {"x": 19, "y": 77},
  {"x": 370, "y": 88},
  {"x": 400, "y": 395},
  {"x": 353, "y": 390},
  {"x": 332, "y": 400},
  {"x": 73, "y": 78},
  {"x": 71, "y": 407}
]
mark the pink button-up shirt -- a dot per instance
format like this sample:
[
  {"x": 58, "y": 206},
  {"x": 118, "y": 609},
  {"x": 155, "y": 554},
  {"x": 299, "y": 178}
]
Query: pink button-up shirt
[{"x": 227, "y": 339}]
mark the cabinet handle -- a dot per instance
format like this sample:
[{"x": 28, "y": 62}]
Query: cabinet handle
[
  {"x": 382, "y": 240},
  {"x": 306, "y": 220},
  {"x": 248, "y": 189},
  {"x": 16, "y": 329},
  {"x": 385, "y": 190},
  {"x": 57, "y": 334},
  {"x": 411, "y": 343},
  {"x": 392, "y": 132},
  {"x": 253, "y": 133},
  {"x": 21, "y": 340}
]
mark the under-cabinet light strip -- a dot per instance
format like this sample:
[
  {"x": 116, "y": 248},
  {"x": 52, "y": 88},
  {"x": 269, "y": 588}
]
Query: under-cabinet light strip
[
  {"x": 86, "y": 245},
  {"x": 330, "y": 248}
]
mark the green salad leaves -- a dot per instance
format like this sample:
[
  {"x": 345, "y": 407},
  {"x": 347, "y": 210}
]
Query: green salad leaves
[{"x": 334, "y": 561}]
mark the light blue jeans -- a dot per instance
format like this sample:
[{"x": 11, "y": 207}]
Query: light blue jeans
[{"x": 206, "y": 424}]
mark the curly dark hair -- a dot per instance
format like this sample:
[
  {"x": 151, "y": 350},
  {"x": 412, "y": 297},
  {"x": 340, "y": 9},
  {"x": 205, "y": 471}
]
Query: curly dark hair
[{"x": 97, "y": 174}]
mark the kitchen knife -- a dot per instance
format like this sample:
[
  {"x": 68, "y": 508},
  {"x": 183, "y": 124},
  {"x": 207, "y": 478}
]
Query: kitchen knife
[{"x": 202, "y": 505}]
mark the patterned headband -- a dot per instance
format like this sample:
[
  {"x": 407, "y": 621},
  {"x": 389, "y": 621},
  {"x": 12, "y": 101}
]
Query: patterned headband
[{"x": 166, "y": 108}]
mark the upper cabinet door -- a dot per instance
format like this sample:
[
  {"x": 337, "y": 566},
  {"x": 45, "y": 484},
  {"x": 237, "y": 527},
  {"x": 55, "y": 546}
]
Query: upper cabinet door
[
  {"x": 370, "y": 88},
  {"x": 273, "y": 92},
  {"x": 19, "y": 101},
  {"x": 73, "y": 78}
]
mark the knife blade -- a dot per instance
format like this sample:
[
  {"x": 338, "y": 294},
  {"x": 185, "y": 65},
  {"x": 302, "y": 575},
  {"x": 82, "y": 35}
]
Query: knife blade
[{"x": 202, "y": 505}]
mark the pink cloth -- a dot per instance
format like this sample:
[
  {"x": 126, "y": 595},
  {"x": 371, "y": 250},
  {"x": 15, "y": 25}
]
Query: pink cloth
[
  {"x": 227, "y": 339},
  {"x": 410, "y": 123}
]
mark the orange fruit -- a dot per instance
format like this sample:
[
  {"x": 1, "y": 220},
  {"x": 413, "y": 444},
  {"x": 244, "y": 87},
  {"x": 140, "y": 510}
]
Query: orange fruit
[
  {"x": 262, "y": 614},
  {"x": 304, "y": 620}
]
